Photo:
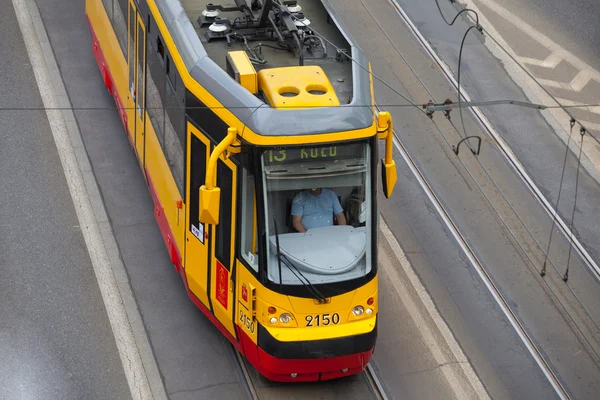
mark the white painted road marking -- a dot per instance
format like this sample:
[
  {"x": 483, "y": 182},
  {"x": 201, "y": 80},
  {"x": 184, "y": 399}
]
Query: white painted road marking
[
  {"x": 446, "y": 365},
  {"x": 558, "y": 52},
  {"x": 556, "y": 118},
  {"x": 138, "y": 363}
]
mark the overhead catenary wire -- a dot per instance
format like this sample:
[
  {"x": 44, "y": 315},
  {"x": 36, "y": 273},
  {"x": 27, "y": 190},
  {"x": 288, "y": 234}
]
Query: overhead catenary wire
[
  {"x": 530, "y": 75},
  {"x": 582, "y": 133},
  {"x": 502, "y": 219},
  {"x": 420, "y": 107},
  {"x": 343, "y": 51},
  {"x": 460, "y": 52},
  {"x": 560, "y": 185},
  {"x": 572, "y": 122},
  {"x": 457, "y": 15},
  {"x": 113, "y": 108},
  {"x": 459, "y": 94}
]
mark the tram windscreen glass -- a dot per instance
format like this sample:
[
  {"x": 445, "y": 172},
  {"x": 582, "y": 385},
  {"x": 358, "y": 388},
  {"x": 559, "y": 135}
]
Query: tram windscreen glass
[{"x": 318, "y": 200}]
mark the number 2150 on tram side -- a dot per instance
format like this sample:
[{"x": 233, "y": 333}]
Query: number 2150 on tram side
[{"x": 256, "y": 131}]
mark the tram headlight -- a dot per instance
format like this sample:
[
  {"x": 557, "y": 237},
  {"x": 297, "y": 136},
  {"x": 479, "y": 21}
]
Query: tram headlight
[
  {"x": 273, "y": 320},
  {"x": 358, "y": 310},
  {"x": 369, "y": 311},
  {"x": 285, "y": 318}
]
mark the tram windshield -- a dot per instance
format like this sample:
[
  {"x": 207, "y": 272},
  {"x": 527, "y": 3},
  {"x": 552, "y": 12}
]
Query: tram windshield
[{"x": 318, "y": 212}]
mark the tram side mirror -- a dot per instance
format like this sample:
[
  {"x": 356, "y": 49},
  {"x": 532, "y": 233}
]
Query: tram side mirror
[
  {"x": 388, "y": 177},
  {"x": 210, "y": 200},
  {"x": 210, "y": 193},
  {"x": 385, "y": 131}
]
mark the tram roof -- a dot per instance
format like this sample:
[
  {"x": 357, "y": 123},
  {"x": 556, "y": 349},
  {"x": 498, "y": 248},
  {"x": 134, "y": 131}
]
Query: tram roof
[{"x": 205, "y": 63}]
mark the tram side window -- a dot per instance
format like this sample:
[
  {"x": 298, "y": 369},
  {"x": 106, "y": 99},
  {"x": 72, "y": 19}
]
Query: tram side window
[
  {"x": 155, "y": 89},
  {"x": 223, "y": 243},
  {"x": 249, "y": 231},
  {"x": 160, "y": 49},
  {"x": 120, "y": 23},
  {"x": 108, "y": 6},
  {"x": 131, "y": 48},
  {"x": 174, "y": 144},
  {"x": 197, "y": 177},
  {"x": 140, "y": 70},
  {"x": 171, "y": 73}
]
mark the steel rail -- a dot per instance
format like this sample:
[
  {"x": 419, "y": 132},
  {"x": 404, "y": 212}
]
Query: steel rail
[
  {"x": 375, "y": 383},
  {"x": 494, "y": 290},
  {"x": 244, "y": 374},
  {"x": 505, "y": 149},
  {"x": 487, "y": 280}
]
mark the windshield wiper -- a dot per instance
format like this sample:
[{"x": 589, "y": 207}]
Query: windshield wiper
[
  {"x": 278, "y": 253},
  {"x": 318, "y": 295},
  {"x": 311, "y": 288}
]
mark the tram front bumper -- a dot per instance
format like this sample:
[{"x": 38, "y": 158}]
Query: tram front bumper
[{"x": 313, "y": 360}]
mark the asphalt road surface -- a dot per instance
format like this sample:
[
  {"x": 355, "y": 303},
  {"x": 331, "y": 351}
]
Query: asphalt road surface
[
  {"x": 573, "y": 25},
  {"x": 55, "y": 338}
]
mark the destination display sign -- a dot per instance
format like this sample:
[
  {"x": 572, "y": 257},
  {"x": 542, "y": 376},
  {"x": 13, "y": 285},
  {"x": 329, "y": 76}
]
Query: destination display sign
[{"x": 313, "y": 153}]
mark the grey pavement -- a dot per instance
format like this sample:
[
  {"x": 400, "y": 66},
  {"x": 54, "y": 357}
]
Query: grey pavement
[
  {"x": 55, "y": 337},
  {"x": 192, "y": 356}
]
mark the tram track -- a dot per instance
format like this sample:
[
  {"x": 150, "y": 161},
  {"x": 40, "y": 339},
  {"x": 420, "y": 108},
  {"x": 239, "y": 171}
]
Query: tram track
[
  {"x": 243, "y": 373},
  {"x": 375, "y": 383},
  {"x": 573, "y": 303},
  {"x": 252, "y": 388},
  {"x": 494, "y": 290},
  {"x": 483, "y": 274},
  {"x": 503, "y": 146}
]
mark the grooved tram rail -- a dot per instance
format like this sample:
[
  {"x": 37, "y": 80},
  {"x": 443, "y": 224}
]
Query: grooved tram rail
[{"x": 494, "y": 290}]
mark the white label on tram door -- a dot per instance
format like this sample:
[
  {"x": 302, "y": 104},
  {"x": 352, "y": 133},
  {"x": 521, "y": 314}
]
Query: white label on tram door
[{"x": 199, "y": 233}]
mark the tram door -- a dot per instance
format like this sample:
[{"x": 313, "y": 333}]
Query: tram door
[
  {"x": 136, "y": 59},
  {"x": 196, "y": 263},
  {"x": 223, "y": 261}
]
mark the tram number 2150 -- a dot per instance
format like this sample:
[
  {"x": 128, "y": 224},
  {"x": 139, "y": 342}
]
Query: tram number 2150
[
  {"x": 247, "y": 322},
  {"x": 322, "y": 320}
]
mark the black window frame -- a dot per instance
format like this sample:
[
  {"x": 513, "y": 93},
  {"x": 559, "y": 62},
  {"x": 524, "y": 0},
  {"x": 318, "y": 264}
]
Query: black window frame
[
  {"x": 331, "y": 288},
  {"x": 198, "y": 163},
  {"x": 246, "y": 162},
  {"x": 222, "y": 239}
]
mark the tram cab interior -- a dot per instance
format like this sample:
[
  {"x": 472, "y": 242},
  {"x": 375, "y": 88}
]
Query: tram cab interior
[{"x": 329, "y": 252}]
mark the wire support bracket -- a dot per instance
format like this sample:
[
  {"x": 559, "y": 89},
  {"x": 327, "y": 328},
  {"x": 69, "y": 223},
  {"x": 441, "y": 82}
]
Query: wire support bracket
[
  {"x": 456, "y": 148},
  {"x": 448, "y": 105}
]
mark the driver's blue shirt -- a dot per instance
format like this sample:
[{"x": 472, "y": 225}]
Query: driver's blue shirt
[{"x": 316, "y": 210}]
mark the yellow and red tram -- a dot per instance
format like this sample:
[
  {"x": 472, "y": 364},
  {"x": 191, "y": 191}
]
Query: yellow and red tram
[{"x": 239, "y": 116}]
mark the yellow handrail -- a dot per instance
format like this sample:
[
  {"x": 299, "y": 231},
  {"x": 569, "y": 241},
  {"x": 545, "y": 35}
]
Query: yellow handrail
[
  {"x": 386, "y": 131},
  {"x": 210, "y": 195},
  {"x": 211, "y": 176}
]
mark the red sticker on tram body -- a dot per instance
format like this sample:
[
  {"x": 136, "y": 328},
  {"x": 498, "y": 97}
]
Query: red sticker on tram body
[
  {"x": 244, "y": 293},
  {"x": 222, "y": 284}
]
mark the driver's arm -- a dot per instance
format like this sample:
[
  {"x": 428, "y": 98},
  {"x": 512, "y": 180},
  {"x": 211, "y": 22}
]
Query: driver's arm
[
  {"x": 297, "y": 223},
  {"x": 338, "y": 210},
  {"x": 340, "y": 218}
]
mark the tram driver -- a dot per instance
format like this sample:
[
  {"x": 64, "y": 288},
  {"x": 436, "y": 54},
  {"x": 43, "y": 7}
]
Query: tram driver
[{"x": 314, "y": 208}]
